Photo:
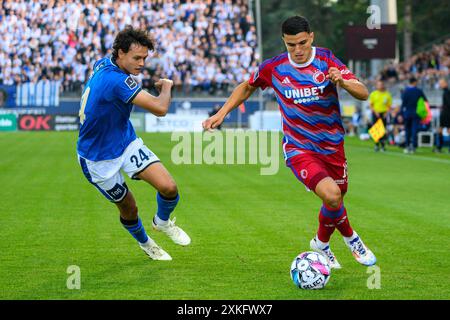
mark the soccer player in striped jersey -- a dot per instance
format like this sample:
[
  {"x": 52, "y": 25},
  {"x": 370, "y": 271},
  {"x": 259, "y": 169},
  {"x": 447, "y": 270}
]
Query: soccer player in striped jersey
[{"x": 305, "y": 80}]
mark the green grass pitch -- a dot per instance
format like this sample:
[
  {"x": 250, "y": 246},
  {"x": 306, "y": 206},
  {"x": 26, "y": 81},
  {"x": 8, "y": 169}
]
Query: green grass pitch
[{"x": 246, "y": 228}]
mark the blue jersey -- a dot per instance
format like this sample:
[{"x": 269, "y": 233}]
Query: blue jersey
[{"x": 106, "y": 129}]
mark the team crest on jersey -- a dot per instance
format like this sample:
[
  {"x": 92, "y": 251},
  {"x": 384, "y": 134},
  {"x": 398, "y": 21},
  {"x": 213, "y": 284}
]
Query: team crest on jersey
[
  {"x": 130, "y": 83},
  {"x": 304, "y": 173},
  {"x": 319, "y": 77}
]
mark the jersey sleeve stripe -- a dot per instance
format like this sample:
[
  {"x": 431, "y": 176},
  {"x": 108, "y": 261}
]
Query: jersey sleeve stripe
[{"x": 134, "y": 95}]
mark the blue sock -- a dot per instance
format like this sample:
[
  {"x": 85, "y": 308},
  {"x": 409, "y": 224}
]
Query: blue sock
[
  {"x": 136, "y": 229},
  {"x": 165, "y": 206}
]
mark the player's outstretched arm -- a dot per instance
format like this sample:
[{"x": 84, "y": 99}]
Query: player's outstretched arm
[
  {"x": 357, "y": 89},
  {"x": 241, "y": 93},
  {"x": 157, "y": 105},
  {"x": 354, "y": 87}
]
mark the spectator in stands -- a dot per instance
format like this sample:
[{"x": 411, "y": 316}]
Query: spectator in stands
[
  {"x": 3, "y": 97},
  {"x": 389, "y": 73},
  {"x": 427, "y": 66},
  {"x": 395, "y": 127},
  {"x": 380, "y": 102},
  {"x": 354, "y": 124},
  {"x": 410, "y": 97},
  {"x": 444, "y": 119},
  {"x": 147, "y": 82}
]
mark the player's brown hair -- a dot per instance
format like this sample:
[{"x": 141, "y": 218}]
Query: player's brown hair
[{"x": 130, "y": 35}]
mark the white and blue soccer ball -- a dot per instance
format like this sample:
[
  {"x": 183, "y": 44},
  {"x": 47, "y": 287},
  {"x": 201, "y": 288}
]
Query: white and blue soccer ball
[{"x": 310, "y": 270}]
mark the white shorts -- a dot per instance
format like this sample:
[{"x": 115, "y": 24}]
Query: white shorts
[{"x": 106, "y": 176}]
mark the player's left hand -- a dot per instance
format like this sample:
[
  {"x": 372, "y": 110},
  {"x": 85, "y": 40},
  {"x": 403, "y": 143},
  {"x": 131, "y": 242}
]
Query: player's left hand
[{"x": 335, "y": 76}]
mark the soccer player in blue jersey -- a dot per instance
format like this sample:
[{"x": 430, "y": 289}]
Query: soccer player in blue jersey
[
  {"x": 305, "y": 81},
  {"x": 107, "y": 142}
]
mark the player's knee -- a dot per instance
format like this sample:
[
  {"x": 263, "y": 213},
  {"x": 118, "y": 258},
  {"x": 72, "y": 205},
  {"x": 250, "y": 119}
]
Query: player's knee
[
  {"x": 333, "y": 197},
  {"x": 169, "y": 190}
]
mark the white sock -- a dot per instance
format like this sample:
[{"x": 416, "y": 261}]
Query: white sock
[
  {"x": 352, "y": 237},
  {"x": 159, "y": 221},
  {"x": 321, "y": 244},
  {"x": 146, "y": 243}
]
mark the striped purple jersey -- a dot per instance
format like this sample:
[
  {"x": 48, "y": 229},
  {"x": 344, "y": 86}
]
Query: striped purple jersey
[{"x": 308, "y": 102}]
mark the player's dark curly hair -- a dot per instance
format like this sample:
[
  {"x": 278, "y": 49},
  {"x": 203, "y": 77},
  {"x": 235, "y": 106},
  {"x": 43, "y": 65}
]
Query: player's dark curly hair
[
  {"x": 294, "y": 25},
  {"x": 128, "y": 36}
]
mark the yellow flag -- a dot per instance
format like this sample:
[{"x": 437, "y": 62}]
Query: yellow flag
[{"x": 377, "y": 131}]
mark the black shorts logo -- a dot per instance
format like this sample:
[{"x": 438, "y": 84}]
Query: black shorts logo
[
  {"x": 130, "y": 83},
  {"x": 117, "y": 192}
]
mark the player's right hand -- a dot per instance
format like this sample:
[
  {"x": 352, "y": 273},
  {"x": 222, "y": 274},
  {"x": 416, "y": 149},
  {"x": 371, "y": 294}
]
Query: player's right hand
[
  {"x": 212, "y": 122},
  {"x": 163, "y": 83}
]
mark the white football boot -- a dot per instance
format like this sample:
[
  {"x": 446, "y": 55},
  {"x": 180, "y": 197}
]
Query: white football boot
[
  {"x": 173, "y": 232},
  {"x": 359, "y": 250},
  {"x": 326, "y": 252},
  {"x": 154, "y": 251}
]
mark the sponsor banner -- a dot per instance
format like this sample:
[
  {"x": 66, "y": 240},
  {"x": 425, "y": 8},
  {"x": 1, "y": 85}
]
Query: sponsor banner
[
  {"x": 19, "y": 111},
  {"x": 173, "y": 122},
  {"x": 138, "y": 121},
  {"x": 66, "y": 123},
  {"x": 8, "y": 122},
  {"x": 30, "y": 122}
]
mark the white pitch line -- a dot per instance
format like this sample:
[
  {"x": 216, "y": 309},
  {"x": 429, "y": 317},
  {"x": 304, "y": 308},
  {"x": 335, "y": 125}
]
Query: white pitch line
[{"x": 409, "y": 156}]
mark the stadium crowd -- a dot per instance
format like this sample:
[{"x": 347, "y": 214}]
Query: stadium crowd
[
  {"x": 201, "y": 45},
  {"x": 427, "y": 66}
]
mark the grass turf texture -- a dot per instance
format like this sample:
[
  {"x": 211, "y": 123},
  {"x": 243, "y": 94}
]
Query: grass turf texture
[{"x": 246, "y": 228}]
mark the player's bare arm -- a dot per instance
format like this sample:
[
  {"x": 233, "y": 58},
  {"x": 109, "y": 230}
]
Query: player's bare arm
[
  {"x": 157, "y": 105},
  {"x": 240, "y": 94},
  {"x": 354, "y": 87}
]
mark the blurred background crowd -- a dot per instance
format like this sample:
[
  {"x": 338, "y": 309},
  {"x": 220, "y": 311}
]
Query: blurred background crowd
[
  {"x": 201, "y": 45},
  {"x": 204, "y": 46}
]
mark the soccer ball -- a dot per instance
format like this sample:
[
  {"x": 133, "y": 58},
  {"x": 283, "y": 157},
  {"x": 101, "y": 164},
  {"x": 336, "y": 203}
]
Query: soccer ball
[{"x": 310, "y": 270}]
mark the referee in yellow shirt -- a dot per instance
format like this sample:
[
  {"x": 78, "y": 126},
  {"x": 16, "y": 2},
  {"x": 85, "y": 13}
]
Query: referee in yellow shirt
[{"x": 380, "y": 102}]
